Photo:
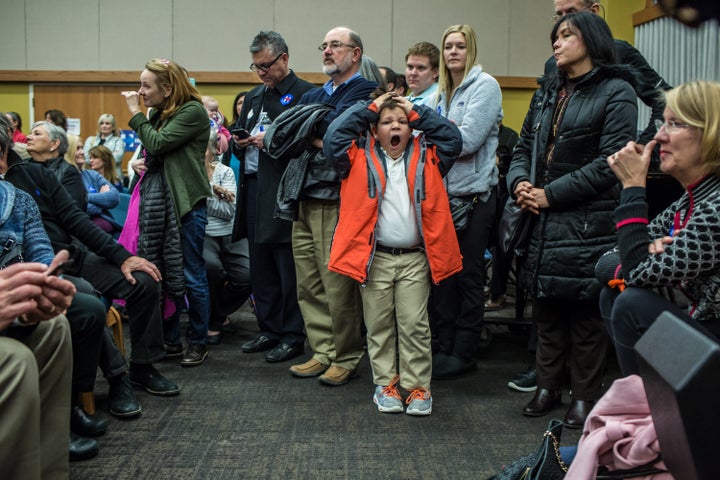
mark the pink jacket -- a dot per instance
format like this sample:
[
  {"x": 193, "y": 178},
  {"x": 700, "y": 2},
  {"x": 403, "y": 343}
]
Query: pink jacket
[{"x": 619, "y": 433}]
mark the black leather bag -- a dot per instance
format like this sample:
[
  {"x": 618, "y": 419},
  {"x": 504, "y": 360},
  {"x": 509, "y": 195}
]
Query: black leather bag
[
  {"x": 548, "y": 464},
  {"x": 460, "y": 209},
  {"x": 515, "y": 228},
  {"x": 545, "y": 464},
  {"x": 11, "y": 253}
]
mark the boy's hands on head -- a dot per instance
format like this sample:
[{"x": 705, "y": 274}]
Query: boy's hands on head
[
  {"x": 379, "y": 100},
  {"x": 402, "y": 102}
]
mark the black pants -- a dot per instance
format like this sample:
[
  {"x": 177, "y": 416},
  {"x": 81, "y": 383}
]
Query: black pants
[
  {"x": 629, "y": 314},
  {"x": 111, "y": 362},
  {"x": 573, "y": 334},
  {"x": 228, "y": 274},
  {"x": 274, "y": 286},
  {"x": 142, "y": 303},
  {"x": 86, "y": 316},
  {"x": 458, "y": 303}
]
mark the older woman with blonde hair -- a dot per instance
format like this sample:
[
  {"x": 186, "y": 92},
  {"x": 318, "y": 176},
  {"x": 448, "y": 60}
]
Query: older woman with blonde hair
[
  {"x": 108, "y": 136},
  {"x": 679, "y": 247}
]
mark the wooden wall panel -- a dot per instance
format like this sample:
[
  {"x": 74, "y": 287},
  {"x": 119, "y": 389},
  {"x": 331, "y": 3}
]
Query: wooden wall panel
[{"x": 86, "y": 102}]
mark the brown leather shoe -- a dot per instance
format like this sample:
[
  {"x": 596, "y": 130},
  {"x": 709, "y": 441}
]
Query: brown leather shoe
[
  {"x": 577, "y": 413},
  {"x": 542, "y": 403},
  {"x": 497, "y": 304},
  {"x": 311, "y": 368},
  {"x": 336, "y": 376}
]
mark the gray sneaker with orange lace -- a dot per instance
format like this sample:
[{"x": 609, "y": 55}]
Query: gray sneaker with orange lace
[
  {"x": 388, "y": 399},
  {"x": 419, "y": 402}
]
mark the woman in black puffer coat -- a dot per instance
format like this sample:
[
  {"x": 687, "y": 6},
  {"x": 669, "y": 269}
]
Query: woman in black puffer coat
[
  {"x": 159, "y": 232},
  {"x": 576, "y": 119}
]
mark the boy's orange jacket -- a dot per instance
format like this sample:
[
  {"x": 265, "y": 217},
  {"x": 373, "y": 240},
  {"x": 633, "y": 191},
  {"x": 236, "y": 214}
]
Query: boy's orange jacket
[{"x": 362, "y": 166}]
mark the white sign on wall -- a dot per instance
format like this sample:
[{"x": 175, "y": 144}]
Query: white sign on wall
[{"x": 73, "y": 126}]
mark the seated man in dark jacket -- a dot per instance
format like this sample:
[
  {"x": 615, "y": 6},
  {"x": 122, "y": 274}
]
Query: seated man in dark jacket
[{"x": 110, "y": 268}]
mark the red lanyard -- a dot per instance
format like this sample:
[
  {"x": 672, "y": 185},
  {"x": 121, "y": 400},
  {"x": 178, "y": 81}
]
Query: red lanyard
[{"x": 677, "y": 225}]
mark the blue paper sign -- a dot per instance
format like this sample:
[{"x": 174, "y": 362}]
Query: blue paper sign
[{"x": 131, "y": 140}]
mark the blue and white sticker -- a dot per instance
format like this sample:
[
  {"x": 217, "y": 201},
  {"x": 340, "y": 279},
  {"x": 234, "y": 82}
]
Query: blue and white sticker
[{"x": 286, "y": 99}]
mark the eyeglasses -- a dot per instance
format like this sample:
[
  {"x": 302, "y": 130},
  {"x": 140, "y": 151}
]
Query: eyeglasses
[
  {"x": 559, "y": 14},
  {"x": 670, "y": 127},
  {"x": 265, "y": 66},
  {"x": 335, "y": 46}
]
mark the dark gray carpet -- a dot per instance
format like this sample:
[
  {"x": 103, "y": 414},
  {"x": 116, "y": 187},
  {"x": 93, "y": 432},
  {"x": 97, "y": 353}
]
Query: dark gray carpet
[{"x": 240, "y": 417}]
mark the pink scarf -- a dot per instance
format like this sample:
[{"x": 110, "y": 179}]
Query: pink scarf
[
  {"x": 129, "y": 239},
  {"x": 619, "y": 433}
]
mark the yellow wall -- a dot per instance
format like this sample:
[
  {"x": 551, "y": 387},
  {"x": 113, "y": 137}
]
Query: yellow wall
[
  {"x": 14, "y": 97},
  {"x": 618, "y": 14},
  {"x": 515, "y": 105}
]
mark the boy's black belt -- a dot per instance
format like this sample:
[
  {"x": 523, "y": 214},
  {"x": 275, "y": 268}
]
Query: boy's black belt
[{"x": 397, "y": 251}]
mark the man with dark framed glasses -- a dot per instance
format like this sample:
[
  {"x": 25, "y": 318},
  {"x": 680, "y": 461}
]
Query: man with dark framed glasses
[
  {"x": 272, "y": 272},
  {"x": 264, "y": 67}
]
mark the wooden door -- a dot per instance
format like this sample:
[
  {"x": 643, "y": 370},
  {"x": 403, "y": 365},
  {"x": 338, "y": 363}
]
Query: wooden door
[{"x": 86, "y": 102}]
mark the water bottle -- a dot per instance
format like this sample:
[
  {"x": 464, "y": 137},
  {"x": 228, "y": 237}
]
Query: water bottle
[{"x": 264, "y": 121}]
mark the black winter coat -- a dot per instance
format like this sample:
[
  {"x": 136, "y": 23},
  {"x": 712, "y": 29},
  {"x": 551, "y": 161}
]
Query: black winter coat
[
  {"x": 62, "y": 218},
  {"x": 600, "y": 117},
  {"x": 159, "y": 240},
  {"x": 273, "y": 101},
  {"x": 291, "y": 135},
  {"x": 70, "y": 178}
]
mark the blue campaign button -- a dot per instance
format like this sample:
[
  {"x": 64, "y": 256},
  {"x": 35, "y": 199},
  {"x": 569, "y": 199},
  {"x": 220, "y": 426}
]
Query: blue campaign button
[{"x": 286, "y": 99}]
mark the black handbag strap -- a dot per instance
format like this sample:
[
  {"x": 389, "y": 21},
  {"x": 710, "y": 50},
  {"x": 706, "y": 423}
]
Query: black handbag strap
[
  {"x": 11, "y": 253},
  {"x": 533, "y": 155},
  {"x": 536, "y": 136},
  {"x": 641, "y": 471}
]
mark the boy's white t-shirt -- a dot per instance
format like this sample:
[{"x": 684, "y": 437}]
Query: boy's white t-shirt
[{"x": 397, "y": 226}]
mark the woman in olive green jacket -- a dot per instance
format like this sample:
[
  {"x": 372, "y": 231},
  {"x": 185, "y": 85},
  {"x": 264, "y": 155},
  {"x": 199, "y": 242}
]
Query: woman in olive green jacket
[{"x": 176, "y": 135}]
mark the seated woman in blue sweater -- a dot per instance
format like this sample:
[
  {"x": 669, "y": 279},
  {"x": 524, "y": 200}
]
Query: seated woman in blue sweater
[
  {"x": 101, "y": 160},
  {"x": 101, "y": 195}
]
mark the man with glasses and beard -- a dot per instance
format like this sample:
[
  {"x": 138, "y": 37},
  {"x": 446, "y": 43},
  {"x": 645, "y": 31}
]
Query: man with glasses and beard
[{"x": 330, "y": 302}]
